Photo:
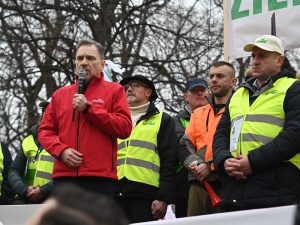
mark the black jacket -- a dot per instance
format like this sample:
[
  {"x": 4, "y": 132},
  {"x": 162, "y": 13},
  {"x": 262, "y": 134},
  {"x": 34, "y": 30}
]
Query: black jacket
[
  {"x": 183, "y": 114},
  {"x": 17, "y": 171},
  {"x": 274, "y": 182},
  {"x": 181, "y": 192},
  {"x": 7, "y": 194},
  {"x": 168, "y": 153}
]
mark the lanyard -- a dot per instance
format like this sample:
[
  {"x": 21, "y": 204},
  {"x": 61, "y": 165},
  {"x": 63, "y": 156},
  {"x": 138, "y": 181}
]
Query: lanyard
[{"x": 40, "y": 149}]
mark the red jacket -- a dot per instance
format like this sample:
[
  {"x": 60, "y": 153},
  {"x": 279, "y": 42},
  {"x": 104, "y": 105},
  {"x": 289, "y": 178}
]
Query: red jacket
[{"x": 107, "y": 119}]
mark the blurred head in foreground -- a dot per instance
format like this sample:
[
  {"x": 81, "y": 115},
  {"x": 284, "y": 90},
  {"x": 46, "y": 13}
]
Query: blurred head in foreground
[{"x": 72, "y": 205}]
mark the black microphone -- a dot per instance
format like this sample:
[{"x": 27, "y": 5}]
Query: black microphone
[{"x": 81, "y": 76}]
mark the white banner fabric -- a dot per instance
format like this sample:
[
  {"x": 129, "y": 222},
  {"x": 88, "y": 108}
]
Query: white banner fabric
[
  {"x": 249, "y": 19},
  {"x": 20, "y": 214}
]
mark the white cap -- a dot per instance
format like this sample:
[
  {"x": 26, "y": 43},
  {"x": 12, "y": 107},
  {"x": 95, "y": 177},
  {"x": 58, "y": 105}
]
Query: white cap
[{"x": 266, "y": 42}]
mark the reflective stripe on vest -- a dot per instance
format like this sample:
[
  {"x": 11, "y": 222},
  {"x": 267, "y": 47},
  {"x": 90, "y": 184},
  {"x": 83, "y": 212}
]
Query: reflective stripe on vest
[
  {"x": 1, "y": 167},
  {"x": 263, "y": 120},
  {"x": 39, "y": 170},
  {"x": 138, "y": 158}
]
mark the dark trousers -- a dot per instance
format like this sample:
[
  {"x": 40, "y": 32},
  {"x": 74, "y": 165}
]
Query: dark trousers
[
  {"x": 98, "y": 185},
  {"x": 199, "y": 202},
  {"x": 137, "y": 209},
  {"x": 181, "y": 209}
]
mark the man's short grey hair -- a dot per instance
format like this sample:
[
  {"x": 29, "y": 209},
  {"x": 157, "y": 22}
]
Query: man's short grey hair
[{"x": 99, "y": 47}]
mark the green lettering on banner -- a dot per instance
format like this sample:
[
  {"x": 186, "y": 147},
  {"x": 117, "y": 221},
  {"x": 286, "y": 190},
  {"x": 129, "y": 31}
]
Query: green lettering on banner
[
  {"x": 296, "y": 2},
  {"x": 235, "y": 13},
  {"x": 273, "y": 5},
  {"x": 257, "y": 6}
]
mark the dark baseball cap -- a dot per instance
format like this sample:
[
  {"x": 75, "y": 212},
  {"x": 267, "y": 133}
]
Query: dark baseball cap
[
  {"x": 195, "y": 82},
  {"x": 146, "y": 81}
]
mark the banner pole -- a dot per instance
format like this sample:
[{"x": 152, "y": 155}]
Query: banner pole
[
  {"x": 225, "y": 30},
  {"x": 273, "y": 25}
]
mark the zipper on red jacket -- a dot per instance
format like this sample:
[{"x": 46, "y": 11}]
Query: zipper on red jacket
[
  {"x": 78, "y": 128},
  {"x": 77, "y": 138},
  {"x": 78, "y": 135},
  {"x": 73, "y": 115}
]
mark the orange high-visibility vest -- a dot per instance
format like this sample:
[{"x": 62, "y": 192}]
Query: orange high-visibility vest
[{"x": 201, "y": 131}]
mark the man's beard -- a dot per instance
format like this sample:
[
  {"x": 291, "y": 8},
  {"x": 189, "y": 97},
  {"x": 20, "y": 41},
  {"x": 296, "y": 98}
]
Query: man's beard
[{"x": 223, "y": 92}]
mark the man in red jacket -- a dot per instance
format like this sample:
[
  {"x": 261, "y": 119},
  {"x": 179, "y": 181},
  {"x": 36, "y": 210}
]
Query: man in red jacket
[{"x": 81, "y": 130}]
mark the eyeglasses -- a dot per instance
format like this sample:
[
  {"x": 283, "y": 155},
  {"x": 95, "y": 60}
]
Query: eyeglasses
[{"x": 134, "y": 86}]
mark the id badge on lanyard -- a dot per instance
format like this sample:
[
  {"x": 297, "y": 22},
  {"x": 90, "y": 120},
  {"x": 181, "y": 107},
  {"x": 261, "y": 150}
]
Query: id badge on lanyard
[{"x": 235, "y": 133}]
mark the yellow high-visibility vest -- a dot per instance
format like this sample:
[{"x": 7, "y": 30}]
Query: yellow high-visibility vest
[
  {"x": 138, "y": 158},
  {"x": 263, "y": 120},
  {"x": 40, "y": 163}
]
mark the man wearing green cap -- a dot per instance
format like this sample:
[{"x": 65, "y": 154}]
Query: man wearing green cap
[{"x": 257, "y": 146}]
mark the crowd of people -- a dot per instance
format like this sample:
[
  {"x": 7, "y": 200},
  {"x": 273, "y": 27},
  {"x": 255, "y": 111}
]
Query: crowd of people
[{"x": 103, "y": 153}]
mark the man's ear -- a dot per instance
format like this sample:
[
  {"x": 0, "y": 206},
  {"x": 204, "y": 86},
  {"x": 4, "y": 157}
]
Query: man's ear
[
  {"x": 185, "y": 96},
  {"x": 148, "y": 92},
  {"x": 233, "y": 82},
  {"x": 103, "y": 63},
  {"x": 280, "y": 60}
]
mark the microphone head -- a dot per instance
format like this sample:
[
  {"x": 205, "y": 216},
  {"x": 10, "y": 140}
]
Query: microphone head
[{"x": 81, "y": 74}]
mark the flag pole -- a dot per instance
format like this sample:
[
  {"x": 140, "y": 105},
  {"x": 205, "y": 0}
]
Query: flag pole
[
  {"x": 225, "y": 30},
  {"x": 273, "y": 25}
]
